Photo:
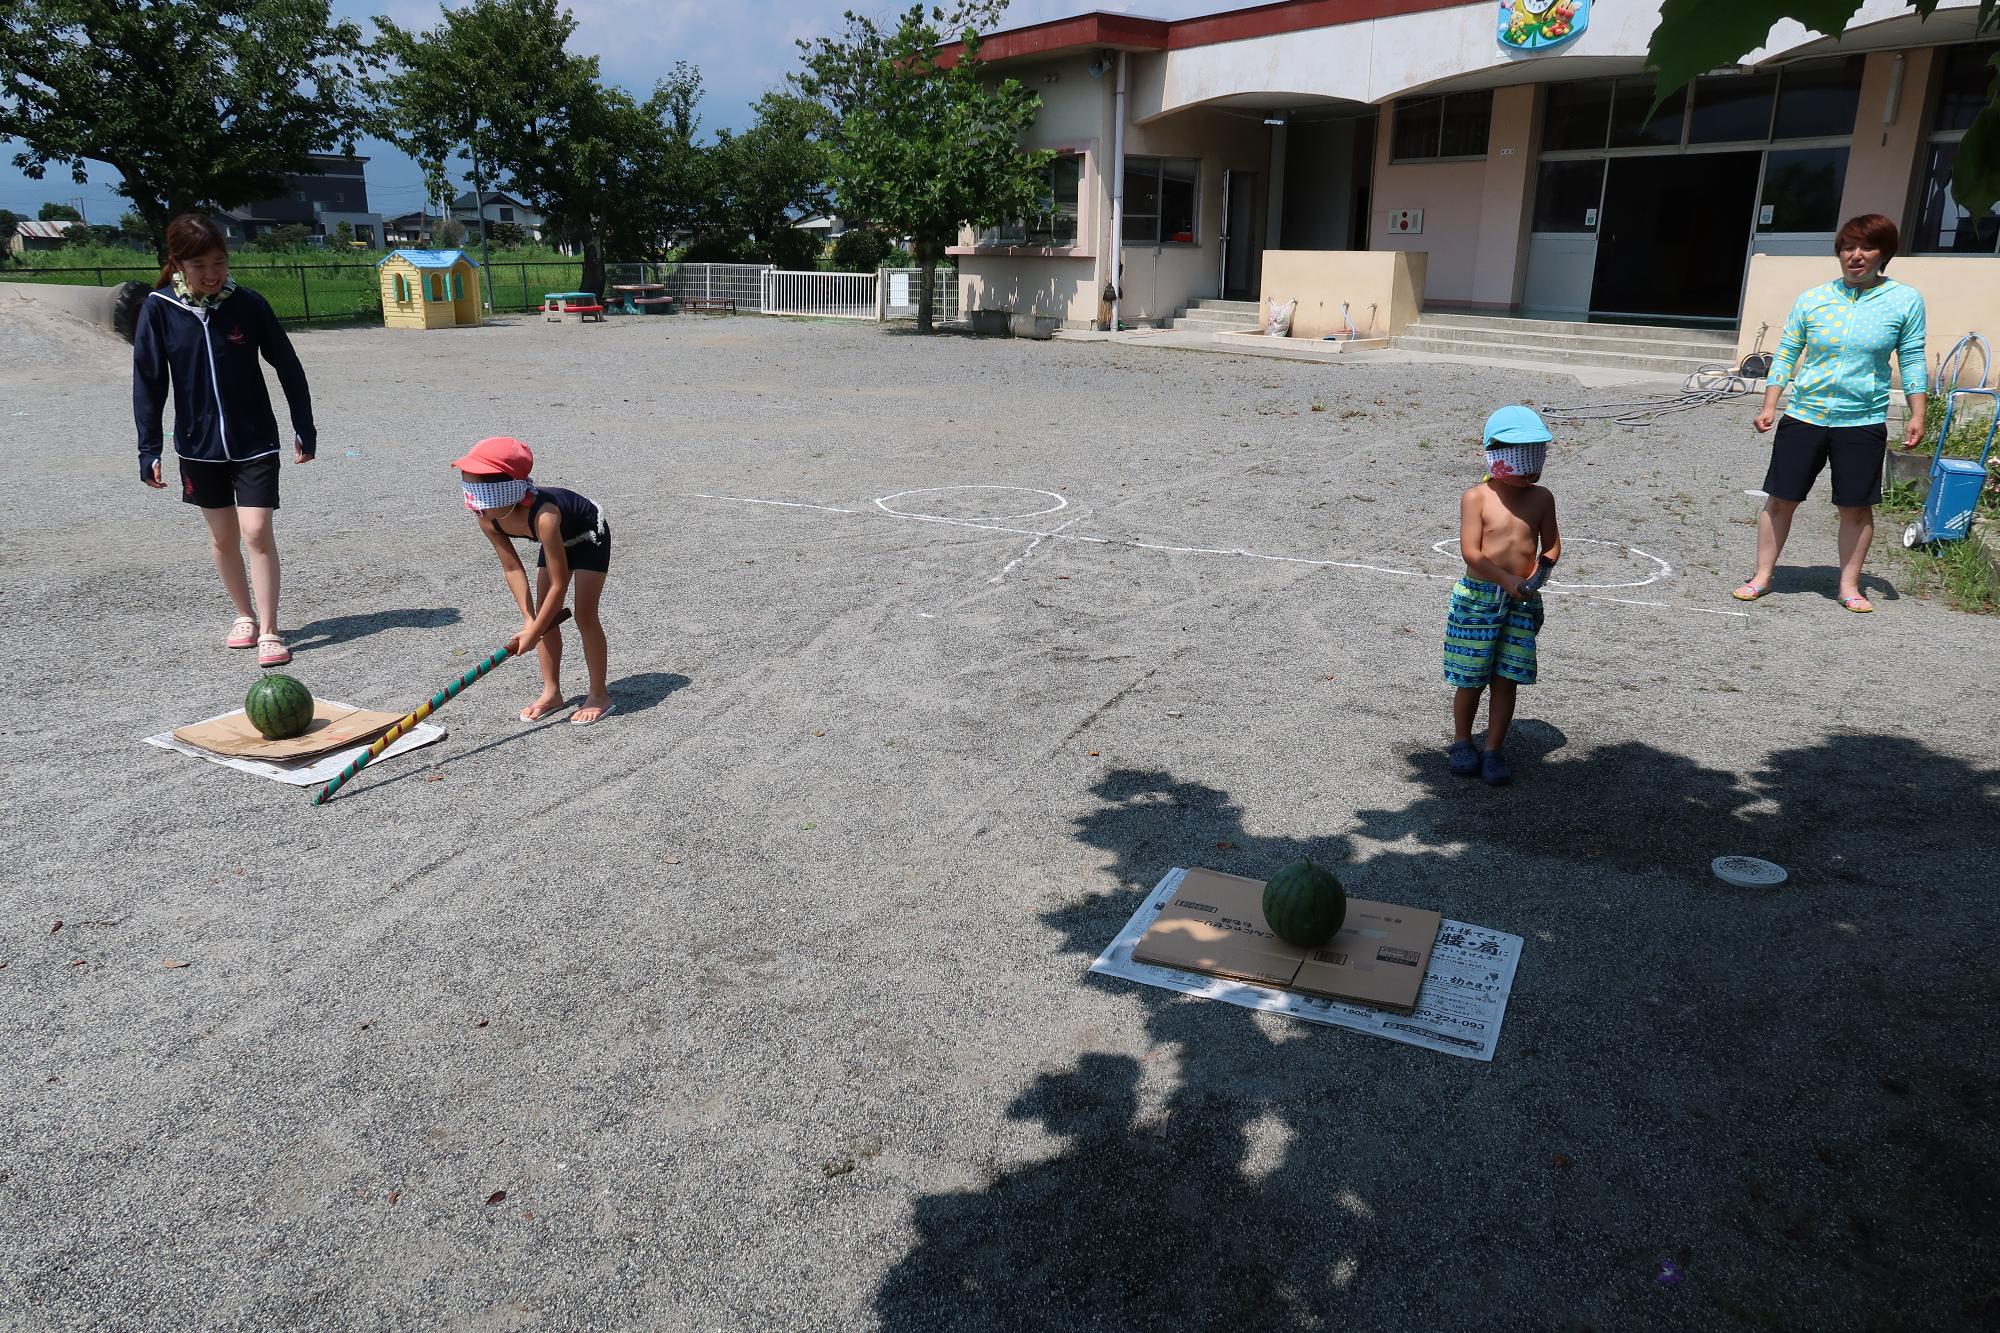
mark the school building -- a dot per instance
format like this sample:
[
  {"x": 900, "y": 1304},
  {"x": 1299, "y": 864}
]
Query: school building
[{"x": 1405, "y": 154}]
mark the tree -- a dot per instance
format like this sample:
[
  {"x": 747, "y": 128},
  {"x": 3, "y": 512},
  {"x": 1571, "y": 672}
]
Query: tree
[
  {"x": 1695, "y": 36},
  {"x": 447, "y": 233},
  {"x": 287, "y": 236},
  {"x": 924, "y": 142},
  {"x": 10, "y": 223},
  {"x": 767, "y": 176},
  {"x": 860, "y": 250},
  {"x": 54, "y": 212},
  {"x": 509, "y": 235},
  {"x": 343, "y": 235},
  {"x": 197, "y": 104}
]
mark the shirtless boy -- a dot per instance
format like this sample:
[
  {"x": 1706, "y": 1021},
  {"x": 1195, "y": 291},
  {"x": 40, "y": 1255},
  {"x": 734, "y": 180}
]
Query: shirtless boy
[{"x": 1507, "y": 534}]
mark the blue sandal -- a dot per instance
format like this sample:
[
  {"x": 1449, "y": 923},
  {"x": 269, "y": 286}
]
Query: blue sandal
[{"x": 1464, "y": 760}]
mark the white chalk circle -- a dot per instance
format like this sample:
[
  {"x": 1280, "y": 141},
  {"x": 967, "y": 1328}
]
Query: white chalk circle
[
  {"x": 1661, "y": 571},
  {"x": 1748, "y": 872},
  {"x": 884, "y": 503}
]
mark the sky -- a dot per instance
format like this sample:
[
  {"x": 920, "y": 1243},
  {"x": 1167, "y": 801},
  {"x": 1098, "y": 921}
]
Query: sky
[{"x": 742, "y": 49}]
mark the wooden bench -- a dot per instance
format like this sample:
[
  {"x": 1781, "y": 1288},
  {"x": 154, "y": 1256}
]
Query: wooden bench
[{"x": 715, "y": 305}]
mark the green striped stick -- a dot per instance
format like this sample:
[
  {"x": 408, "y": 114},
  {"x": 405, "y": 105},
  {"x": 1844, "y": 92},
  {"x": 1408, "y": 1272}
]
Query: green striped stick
[{"x": 436, "y": 701}]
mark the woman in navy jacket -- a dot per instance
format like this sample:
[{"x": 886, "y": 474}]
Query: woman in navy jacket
[{"x": 203, "y": 333}]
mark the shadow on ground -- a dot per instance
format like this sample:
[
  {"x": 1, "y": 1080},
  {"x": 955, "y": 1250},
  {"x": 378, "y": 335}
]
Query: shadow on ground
[
  {"x": 1785, "y": 1096},
  {"x": 1795, "y": 580},
  {"x": 339, "y": 629},
  {"x": 641, "y": 690}
]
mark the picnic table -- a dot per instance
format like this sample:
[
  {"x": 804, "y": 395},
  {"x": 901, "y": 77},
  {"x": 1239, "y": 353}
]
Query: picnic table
[
  {"x": 636, "y": 292},
  {"x": 584, "y": 305}
]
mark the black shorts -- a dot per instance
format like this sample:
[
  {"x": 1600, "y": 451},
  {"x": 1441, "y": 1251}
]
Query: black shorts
[
  {"x": 252, "y": 485},
  {"x": 593, "y": 556},
  {"x": 1800, "y": 449}
]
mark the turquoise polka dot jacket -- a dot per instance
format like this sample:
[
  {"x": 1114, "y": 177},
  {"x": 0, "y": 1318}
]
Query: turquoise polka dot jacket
[{"x": 1835, "y": 351}]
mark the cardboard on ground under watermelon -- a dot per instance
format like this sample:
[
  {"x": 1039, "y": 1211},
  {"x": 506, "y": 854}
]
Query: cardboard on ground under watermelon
[
  {"x": 334, "y": 727},
  {"x": 1215, "y": 924}
]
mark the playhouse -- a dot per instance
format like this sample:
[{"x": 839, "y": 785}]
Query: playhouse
[{"x": 430, "y": 289}]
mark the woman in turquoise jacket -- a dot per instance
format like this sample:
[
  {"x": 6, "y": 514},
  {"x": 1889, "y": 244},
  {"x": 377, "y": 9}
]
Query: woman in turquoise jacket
[{"x": 1835, "y": 356}]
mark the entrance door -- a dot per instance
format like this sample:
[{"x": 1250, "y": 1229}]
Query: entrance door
[
  {"x": 1240, "y": 247},
  {"x": 1674, "y": 234}
]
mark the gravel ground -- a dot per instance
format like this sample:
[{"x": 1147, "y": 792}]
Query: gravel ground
[{"x": 765, "y": 1004}]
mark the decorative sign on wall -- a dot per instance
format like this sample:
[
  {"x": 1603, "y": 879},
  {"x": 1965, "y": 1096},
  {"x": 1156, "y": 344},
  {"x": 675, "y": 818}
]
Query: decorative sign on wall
[
  {"x": 1406, "y": 222},
  {"x": 1536, "y": 25}
]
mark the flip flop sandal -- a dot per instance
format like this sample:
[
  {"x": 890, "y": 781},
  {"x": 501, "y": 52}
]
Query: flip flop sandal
[
  {"x": 1860, "y": 606},
  {"x": 271, "y": 651},
  {"x": 1756, "y": 590},
  {"x": 609, "y": 709},
  {"x": 242, "y": 634},
  {"x": 528, "y": 716}
]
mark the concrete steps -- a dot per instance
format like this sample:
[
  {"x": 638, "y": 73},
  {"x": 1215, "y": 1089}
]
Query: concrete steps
[
  {"x": 1209, "y": 316},
  {"x": 1575, "y": 343}
]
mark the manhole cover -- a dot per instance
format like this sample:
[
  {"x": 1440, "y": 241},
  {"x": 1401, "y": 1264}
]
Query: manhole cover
[{"x": 1747, "y": 872}]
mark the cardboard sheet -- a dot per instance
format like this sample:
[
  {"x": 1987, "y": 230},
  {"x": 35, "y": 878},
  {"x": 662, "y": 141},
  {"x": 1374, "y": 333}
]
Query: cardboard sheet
[
  {"x": 303, "y": 772},
  {"x": 335, "y": 726},
  {"x": 1459, "y": 1008}
]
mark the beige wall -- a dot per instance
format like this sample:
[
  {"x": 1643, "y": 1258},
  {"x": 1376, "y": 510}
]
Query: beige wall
[
  {"x": 1319, "y": 280},
  {"x": 1961, "y": 295},
  {"x": 1029, "y": 286},
  {"x": 1161, "y": 279},
  {"x": 1882, "y": 165}
]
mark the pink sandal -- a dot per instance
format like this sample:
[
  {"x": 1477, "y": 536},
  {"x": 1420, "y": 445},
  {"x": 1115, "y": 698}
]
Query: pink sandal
[
  {"x": 271, "y": 651},
  {"x": 242, "y": 634}
]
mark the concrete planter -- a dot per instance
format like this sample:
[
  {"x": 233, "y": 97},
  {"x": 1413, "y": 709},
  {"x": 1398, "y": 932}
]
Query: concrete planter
[
  {"x": 1912, "y": 466},
  {"x": 990, "y": 323},
  {"x": 1041, "y": 327}
]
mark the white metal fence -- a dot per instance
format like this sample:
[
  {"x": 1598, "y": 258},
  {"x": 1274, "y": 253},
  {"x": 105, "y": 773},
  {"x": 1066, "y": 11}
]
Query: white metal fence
[{"x": 890, "y": 293}]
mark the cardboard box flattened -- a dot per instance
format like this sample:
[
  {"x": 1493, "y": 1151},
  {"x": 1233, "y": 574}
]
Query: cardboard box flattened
[
  {"x": 334, "y": 727},
  {"x": 1379, "y": 958},
  {"x": 1215, "y": 924}
]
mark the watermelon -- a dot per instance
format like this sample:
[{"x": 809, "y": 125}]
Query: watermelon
[
  {"x": 1304, "y": 904},
  {"x": 278, "y": 706}
]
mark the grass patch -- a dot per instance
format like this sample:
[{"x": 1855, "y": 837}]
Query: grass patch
[{"x": 1961, "y": 572}]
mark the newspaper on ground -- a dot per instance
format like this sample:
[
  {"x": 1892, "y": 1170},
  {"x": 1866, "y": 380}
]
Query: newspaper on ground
[
  {"x": 307, "y": 773},
  {"x": 1459, "y": 1009}
]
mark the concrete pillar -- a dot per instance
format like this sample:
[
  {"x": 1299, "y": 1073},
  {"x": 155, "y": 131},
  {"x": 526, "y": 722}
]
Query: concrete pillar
[
  {"x": 1275, "y": 197},
  {"x": 1888, "y": 147},
  {"x": 1506, "y": 194}
]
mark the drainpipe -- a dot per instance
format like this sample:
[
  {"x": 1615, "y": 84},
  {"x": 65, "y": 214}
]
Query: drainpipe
[{"x": 1118, "y": 195}]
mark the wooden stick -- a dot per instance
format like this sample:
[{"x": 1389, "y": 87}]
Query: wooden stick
[{"x": 435, "y": 702}]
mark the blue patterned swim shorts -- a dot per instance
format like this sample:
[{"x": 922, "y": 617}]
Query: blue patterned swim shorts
[{"x": 1486, "y": 635}]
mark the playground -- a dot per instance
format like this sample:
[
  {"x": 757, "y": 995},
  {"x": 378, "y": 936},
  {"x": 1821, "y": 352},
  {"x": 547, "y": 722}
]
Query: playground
[{"x": 765, "y": 1003}]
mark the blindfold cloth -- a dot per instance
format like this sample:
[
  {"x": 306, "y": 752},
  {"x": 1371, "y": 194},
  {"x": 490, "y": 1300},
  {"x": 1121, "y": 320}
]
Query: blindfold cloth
[{"x": 493, "y": 494}]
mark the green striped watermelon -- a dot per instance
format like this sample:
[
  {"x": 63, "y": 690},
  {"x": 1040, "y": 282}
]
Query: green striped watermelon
[
  {"x": 278, "y": 706},
  {"x": 1304, "y": 904}
]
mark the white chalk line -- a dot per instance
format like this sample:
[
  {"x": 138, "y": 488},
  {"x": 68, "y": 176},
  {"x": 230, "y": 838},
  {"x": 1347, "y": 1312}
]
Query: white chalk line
[
  {"x": 1008, "y": 568},
  {"x": 1556, "y": 584},
  {"x": 1056, "y": 534},
  {"x": 1061, "y": 502}
]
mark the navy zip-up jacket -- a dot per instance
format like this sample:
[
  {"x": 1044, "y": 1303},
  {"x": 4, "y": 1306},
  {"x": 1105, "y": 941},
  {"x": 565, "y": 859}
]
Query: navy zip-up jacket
[{"x": 222, "y": 411}]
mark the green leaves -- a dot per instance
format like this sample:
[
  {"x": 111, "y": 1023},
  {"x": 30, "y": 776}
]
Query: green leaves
[
  {"x": 1975, "y": 176},
  {"x": 198, "y": 103}
]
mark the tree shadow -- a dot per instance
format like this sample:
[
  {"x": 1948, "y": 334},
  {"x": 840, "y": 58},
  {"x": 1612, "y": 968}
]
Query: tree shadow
[
  {"x": 1786, "y": 1094},
  {"x": 330, "y": 630},
  {"x": 641, "y": 690}
]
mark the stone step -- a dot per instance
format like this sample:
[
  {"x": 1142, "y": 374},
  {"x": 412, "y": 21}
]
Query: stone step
[
  {"x": 1210, "y": 303},
  {"x": 1585, "y": 328},
  {"x": 1214, "y": 324},
  {"x": 1673, "y": 346},
  {"x": 1566, "y": 356}
]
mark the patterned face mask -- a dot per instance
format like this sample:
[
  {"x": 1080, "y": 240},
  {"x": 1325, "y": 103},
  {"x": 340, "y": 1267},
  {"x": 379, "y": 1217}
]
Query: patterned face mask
[
  {"x": 1516, "y": 460},
  {"x": 493, "y": 494},
  {"x": 188, "y": 296}
]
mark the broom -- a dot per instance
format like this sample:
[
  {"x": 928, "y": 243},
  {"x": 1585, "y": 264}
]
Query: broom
[{"x": 435, "y": 702}]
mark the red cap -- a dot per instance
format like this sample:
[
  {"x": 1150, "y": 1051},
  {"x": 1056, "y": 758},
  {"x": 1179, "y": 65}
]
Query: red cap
[{"x": 500, "y": 454}]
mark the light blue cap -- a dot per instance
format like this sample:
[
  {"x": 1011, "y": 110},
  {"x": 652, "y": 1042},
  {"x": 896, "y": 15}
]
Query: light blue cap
[{"x": 1516, "y": 425}]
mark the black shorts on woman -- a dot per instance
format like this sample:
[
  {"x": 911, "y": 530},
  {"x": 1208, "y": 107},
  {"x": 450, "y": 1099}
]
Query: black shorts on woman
[{"x": 1801, "y": 449}]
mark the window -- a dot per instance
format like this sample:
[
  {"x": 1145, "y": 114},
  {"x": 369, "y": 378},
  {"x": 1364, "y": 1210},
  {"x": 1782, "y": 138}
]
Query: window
[
  {"x": 506, "y": 215},
  {"x": 1632, "y": 128},
  {"x": 1802, "y": 189},
  {"x": 1567, "y": 195},
  {"x": 437, "y": 287},
  {"x": 1967, "y": 84},
  {"x": 1055, "y": 226},
  {"x": 1576, "y": 115},
  {"x": 1733, "y": 108},
  {"x": 402, "y": 289},
  {"x": 1818, "y": 99},
  {"x": 1161, "y": 200},
  {"x": 1448, "y": 125}
]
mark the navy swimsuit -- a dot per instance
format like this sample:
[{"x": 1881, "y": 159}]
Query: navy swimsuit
[{"x": 586, "y": 537}]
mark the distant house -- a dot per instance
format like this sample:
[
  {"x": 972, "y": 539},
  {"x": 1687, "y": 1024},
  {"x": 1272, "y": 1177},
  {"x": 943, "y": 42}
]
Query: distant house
[
  {"x": 410, "y": 228},
  {"x": 496, "y": 206},
  {"x": 827, "y": 228},
  {"x": 38, "y": 236},
  {"x": 320, "y": 200}
]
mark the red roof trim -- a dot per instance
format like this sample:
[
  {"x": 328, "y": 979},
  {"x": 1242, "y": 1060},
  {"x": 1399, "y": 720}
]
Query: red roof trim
[{"x": 1100, "y": 31}]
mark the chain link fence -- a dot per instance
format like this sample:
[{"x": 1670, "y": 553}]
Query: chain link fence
[{"x": 350, "y": 292}]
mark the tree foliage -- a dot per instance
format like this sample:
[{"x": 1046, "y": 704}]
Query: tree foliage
[
  {"x": 921, "y": 142},
  {"x": 860, "y": 250},
  {"x": 763, "y": 179},
  {"x": 196, "y": 104},
  {"x": 1695, "y": 36},
  {"x": 54, "y": 212}
]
